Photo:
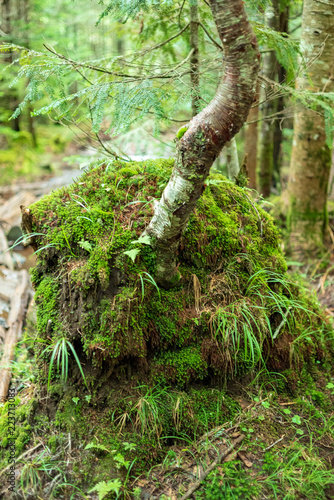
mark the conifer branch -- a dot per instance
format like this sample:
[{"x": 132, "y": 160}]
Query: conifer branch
[{"x": 220, "y": 47}]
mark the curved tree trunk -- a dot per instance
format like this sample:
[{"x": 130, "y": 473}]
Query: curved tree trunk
[
  {"x": 206, "y": 135},
  {"x": 311, "y": 158}
]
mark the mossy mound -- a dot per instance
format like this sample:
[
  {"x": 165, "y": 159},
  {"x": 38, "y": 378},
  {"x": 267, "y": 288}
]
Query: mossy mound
[{"x": 95, "y": 288}]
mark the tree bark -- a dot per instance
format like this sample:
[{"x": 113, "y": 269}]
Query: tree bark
[
  {"x": 311, "y": 158},
  {"x": 232, "y": 159},
  {"x": 194, "y": 60},
  {"x": 251, "y": 140},
  {"x": 278, "y": 132},
  {"x": 268, "y": 107},
  {"x": 206, "y": 135},
  {"x": 9, "y": 16}
]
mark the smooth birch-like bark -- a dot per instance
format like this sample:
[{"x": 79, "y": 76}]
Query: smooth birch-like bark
[
  {"x": 311, "y": 156},
  {"x": 232, "y": 159},
  {"x": 268, "y": 108},
  {"x": 206, "y": 135}
]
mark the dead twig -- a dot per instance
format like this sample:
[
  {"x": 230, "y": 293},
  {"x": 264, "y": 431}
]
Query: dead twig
[
  {"x": 278, "y": 440},
  {"x": 214, "y": 464},
  {"x": 25, "y": 454}
]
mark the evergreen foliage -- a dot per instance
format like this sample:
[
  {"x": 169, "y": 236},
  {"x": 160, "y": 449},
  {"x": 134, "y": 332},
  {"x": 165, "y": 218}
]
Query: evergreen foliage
[{"x": 147, "y": 83}]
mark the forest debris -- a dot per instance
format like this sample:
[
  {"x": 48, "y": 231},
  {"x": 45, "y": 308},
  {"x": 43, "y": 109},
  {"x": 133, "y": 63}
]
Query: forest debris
[
  {"x": 25, "y": 454},
  {"x": 4, "y": 254},
  {"x": 15, "y": 320},
  {"x": 273, "y": 444},
  {"x": 243, "y": 457},
  {"x": 10, "y": 211},
  {"x": 216, "y": 462}
]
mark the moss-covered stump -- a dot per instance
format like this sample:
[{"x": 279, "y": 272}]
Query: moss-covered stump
[{"x": 235, "y": 309}]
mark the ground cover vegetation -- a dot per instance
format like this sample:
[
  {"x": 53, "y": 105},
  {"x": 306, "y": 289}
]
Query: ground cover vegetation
[{"x": 153, "y": 346}]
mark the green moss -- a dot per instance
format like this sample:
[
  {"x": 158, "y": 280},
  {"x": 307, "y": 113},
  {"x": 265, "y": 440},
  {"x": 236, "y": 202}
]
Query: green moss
[
  {"x": 181, "y": 366},
  {"x": 92, "y": 288},
  {"x": 15, "y": 438}
]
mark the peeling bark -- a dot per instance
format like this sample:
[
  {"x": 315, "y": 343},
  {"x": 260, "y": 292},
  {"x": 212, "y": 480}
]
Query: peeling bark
[
  {"x": 206, "y": 135},
  {"x": 311, "y": 157}
]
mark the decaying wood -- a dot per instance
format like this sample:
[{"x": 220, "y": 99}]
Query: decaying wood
[
  {"x": 15, "y": 320},
  {"x": 10, "y": 211},
  {"x": 218, "y": 460},
  {"x": 4, "y": 254}
]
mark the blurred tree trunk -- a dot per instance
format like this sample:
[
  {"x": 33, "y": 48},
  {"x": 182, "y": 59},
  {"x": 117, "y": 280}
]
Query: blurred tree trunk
[
  {"x": 268, "y": 106},
  {"x": 251, "y": 140},
  {"x": 311, "y": 156},
  {"x": 278, "y": 132},
  {"x": 26, "y": 43},
  {"x": 194, "y": 60},
  {"x": 206, "y": 135},
  {"x": 232, "y": 159},
  {"x": 9, "y": 15}
]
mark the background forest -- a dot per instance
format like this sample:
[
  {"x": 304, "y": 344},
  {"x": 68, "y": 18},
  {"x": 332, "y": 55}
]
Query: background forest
[{"x": 206, "y": 373}]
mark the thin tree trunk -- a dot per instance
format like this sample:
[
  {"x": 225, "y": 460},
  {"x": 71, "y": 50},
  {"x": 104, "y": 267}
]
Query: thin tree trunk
[
  {"x": 331, "y": 177},
  {"x": 311, "y": 156},
  {"x": 251, "y": 140},
  {"x": 268, "y": 107},
  {"x": 232, "y": 159},
  {"x": 194, "y": 60},
  {"x": 8, "y": 17},
  {"x": 278, "y": 132},
  {"x": 206, "y": 135}
]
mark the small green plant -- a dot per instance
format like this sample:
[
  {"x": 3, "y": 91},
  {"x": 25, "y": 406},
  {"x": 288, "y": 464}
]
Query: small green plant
[
  {"x": 60, "y": 354},
  {"x": 104, "y": 487},
  {"x": 143, "y": 239},
  {"x": 149, "y": 279},
  {"x": 97, "y": 446},
  {"x": 231, "y": 483},
  {"x": 296, "y": 420},
  {"x": 330, "y": 386}
]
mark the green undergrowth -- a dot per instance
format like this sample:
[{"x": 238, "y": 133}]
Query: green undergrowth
[
  {"x": 150, "y": 442},
  {"x": 235, "y": 311},
  {"x": 23, "y": 160}
]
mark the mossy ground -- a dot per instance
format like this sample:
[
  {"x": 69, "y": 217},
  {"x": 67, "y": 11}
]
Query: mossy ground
[
  {"x": 161, "y": 367},
  {"x": 95, "y": 282}
]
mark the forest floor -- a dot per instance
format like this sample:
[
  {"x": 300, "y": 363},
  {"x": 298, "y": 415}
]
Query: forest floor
[{"x": 275, "y": 447}]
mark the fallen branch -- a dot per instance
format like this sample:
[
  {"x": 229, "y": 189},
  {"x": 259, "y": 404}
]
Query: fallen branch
[
  {"x": 214, "y": 464},
  {"x": 15, "y": 320},
  {"x": 5, "y": 255}
]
